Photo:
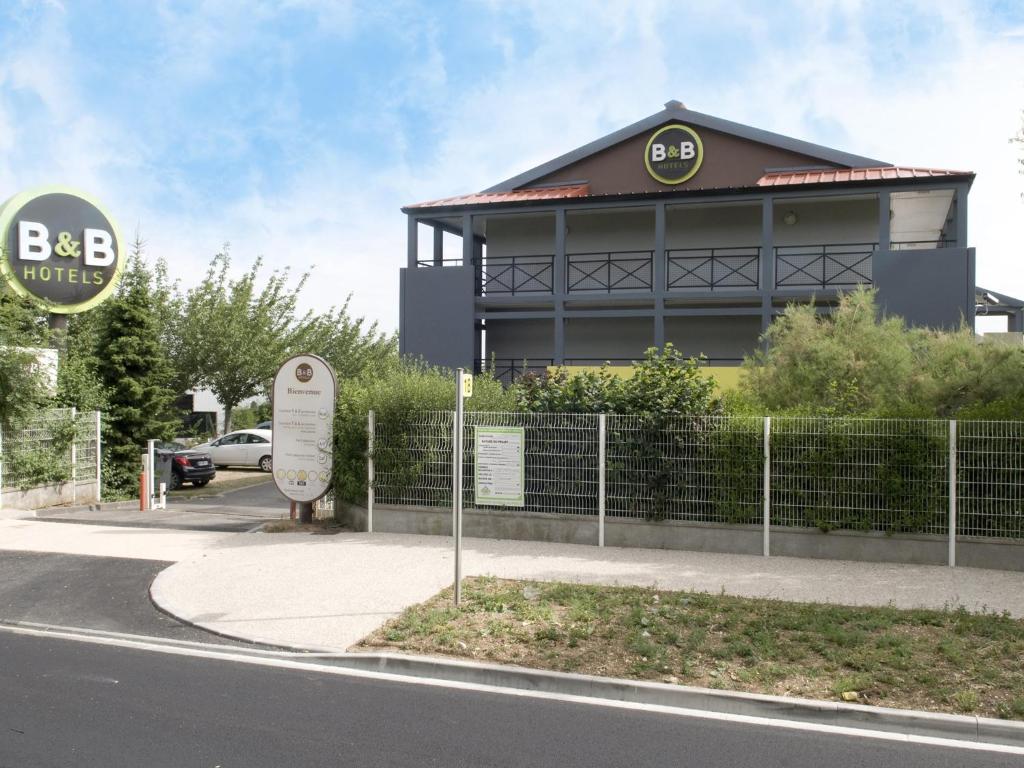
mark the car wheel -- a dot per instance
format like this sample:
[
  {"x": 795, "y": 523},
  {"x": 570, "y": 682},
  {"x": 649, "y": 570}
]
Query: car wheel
[
  {"x": 199, "y": 483},
  {"x": 176, "y": 481},
  {"x": 266, "y": 464}
]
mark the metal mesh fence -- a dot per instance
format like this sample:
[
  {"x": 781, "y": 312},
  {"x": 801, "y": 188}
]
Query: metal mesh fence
[
  {"x": 560, "y": 460},
  {"x": 706, "y": 469},
  {"x": 888, "y": 475},
  {"x": 990, "y": 478},
  {"x": 51, "y": 447}
]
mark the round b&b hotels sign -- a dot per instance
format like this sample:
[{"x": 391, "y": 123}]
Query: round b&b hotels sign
[
  {"x": 674, "y": 154},
  {"x": 61, "y": 248}
]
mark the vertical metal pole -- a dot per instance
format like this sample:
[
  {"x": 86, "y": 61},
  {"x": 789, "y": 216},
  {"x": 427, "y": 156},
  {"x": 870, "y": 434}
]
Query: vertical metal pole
[
  {"x": 150, "y": 473},
  {"x": 952, "y": 493},
  {"x": 99, "y": 460},
  {"x": 601, "y": 477},
  {"x": 74, "y": 456},
  {"x": 457, "y": 473},
  {"x": 767, "y": 483},
  {"x": 369, "y": 471}
]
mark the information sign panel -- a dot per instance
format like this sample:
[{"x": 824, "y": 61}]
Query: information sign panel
[
  {"x": 499, "y": 461},
  {"x": 303, "y": 400}
]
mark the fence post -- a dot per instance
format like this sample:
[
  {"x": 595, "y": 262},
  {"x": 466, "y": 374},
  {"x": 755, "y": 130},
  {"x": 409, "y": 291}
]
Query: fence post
[
  {"x": 952, "y": 493},
  {"x": 601, "y": 475},
  {"x": 370, "y": 428},
  {"x": 767, "y": 483},
  {"x": 99, "y": 460},
  {"x": 74, "y": 455}
]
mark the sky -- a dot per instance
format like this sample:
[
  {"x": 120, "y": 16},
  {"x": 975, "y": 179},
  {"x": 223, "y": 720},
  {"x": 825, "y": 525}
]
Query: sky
[{"x": 296, "y": 129}]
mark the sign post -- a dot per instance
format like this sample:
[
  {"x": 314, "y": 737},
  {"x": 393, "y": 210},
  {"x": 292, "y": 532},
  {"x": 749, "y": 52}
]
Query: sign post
[
  {"x": 463, "y": 389},
  {"x": 303, "y": 400}
]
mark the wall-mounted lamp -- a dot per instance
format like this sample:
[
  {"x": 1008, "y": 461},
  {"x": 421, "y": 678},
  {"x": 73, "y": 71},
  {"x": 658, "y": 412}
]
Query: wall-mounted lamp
[{"x": 789, "y": 218}]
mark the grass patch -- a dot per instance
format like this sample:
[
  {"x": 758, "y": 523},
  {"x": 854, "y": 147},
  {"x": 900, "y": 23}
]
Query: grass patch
[{"x": 943, "y": 661}]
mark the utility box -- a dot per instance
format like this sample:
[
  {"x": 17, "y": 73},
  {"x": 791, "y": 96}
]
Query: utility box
[{"x": 162, "y": 461}]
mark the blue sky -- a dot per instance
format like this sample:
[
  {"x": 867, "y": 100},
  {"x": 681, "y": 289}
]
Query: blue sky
[{"x": 296, "y": 129}]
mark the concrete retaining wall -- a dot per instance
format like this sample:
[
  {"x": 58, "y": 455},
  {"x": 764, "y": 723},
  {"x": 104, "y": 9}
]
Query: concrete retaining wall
[
  {"x": 917, "y": 549},
  {"x": 83, "y": 492}
]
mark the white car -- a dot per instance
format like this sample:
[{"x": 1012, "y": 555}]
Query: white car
[{"x": 241, "y": 448}]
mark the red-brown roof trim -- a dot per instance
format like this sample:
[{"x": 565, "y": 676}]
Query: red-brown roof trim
[
  {"x": 847, "y": 175},
  {"x": 514, "y": 196}
]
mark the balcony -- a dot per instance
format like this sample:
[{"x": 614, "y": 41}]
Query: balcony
[
  {"x": 735, "y": 270},
  {"x": 516, "y": 275},
  {"x": 709, "y": 269},
  {"x": 609, "y": 272},
  {"x": 823, "y": 266}
]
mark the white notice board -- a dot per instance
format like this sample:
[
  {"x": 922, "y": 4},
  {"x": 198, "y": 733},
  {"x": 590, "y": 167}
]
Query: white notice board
[
  {"x": 303, "y": 400},
  {"x": 499, "y": 477}
]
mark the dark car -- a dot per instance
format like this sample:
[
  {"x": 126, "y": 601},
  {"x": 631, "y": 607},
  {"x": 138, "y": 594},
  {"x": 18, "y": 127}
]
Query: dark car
[{"x": 187, "y": 465}]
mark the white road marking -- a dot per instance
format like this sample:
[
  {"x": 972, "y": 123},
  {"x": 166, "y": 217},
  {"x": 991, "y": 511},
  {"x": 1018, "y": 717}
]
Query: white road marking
[{"x": 287, "y": 660}]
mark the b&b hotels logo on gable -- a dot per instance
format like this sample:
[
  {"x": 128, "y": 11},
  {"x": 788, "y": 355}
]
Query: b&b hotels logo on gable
[
  {"x": 674, "y": 154},
  {"x": 61, "y": 248}
]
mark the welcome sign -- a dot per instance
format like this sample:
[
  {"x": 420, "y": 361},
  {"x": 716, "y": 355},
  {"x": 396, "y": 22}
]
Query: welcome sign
[{"x": 60, "y": 248}]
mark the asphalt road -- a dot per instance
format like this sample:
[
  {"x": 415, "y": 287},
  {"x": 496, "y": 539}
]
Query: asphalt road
[
  {"x": 232, "y": 511},
  {"x": 104, "y": 593},
  {"x": 70, "y": 703}
]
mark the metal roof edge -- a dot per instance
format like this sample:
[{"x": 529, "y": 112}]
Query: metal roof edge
[
  {"x": 668, "y": 194},
  {"x": 688, "y": 116}
]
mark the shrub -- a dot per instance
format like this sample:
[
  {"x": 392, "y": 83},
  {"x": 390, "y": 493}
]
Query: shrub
[{"x": 398, "y": 399}]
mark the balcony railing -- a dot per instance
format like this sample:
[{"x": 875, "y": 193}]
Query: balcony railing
[
  {"x": 712, "y": 268},
  {"x": 507, "y": 370},
  {"x": 515, "y": 275},
  {"x": 609, "y": 272},
  {"x": 824, "y": 265}
]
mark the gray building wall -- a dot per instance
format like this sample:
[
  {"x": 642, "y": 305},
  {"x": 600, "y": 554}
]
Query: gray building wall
[
  {"x": 719, "y": 338},
  {"x": 614, "y": 230},
  {"x": 437, "y": 315},
  {"x": 521, "y": 235},
  {"x": 708, "y": 226},
  {"x": 827, "y": 221},
  {"x": 518, "y": 339},
  {"x": 933, "y": 288},
  {"x": 620, "y": 338}
]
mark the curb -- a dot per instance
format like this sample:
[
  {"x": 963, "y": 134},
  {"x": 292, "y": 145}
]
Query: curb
[{"x": 838, "y": 714}]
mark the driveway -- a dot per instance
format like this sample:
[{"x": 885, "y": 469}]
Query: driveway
[{"x": 234, "y": 511}]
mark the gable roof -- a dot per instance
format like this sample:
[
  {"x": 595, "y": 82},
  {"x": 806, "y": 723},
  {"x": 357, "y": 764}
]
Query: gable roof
[{"x": 675, "y": 110}]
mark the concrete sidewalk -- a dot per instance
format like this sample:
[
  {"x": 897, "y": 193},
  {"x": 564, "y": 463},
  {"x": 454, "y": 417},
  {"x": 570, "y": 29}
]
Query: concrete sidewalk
[
  {"x": 327, "y": 592},
  {"x": 27, "y": 535}
]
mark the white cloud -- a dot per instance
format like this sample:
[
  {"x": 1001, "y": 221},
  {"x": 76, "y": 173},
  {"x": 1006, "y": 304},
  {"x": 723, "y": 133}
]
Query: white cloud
[{"x": 948, "y": 98}]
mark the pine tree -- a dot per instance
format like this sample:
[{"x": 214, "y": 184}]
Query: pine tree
[{"x": 136, "y": 374}]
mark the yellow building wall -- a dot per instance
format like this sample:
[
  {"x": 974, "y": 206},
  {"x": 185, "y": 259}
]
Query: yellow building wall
[{"x": 727, "y": 377}]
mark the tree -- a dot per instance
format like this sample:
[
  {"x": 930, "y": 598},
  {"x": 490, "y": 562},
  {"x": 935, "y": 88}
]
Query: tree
[
  {"x": 135, "y": 372},
  {"x": 234, "y": 335},
  {"x": 663, "y": 384},
  {"x": 22, "y": 389},
  {"x": 859, "y": 363},
  {"x": 352, "y": 351}
]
